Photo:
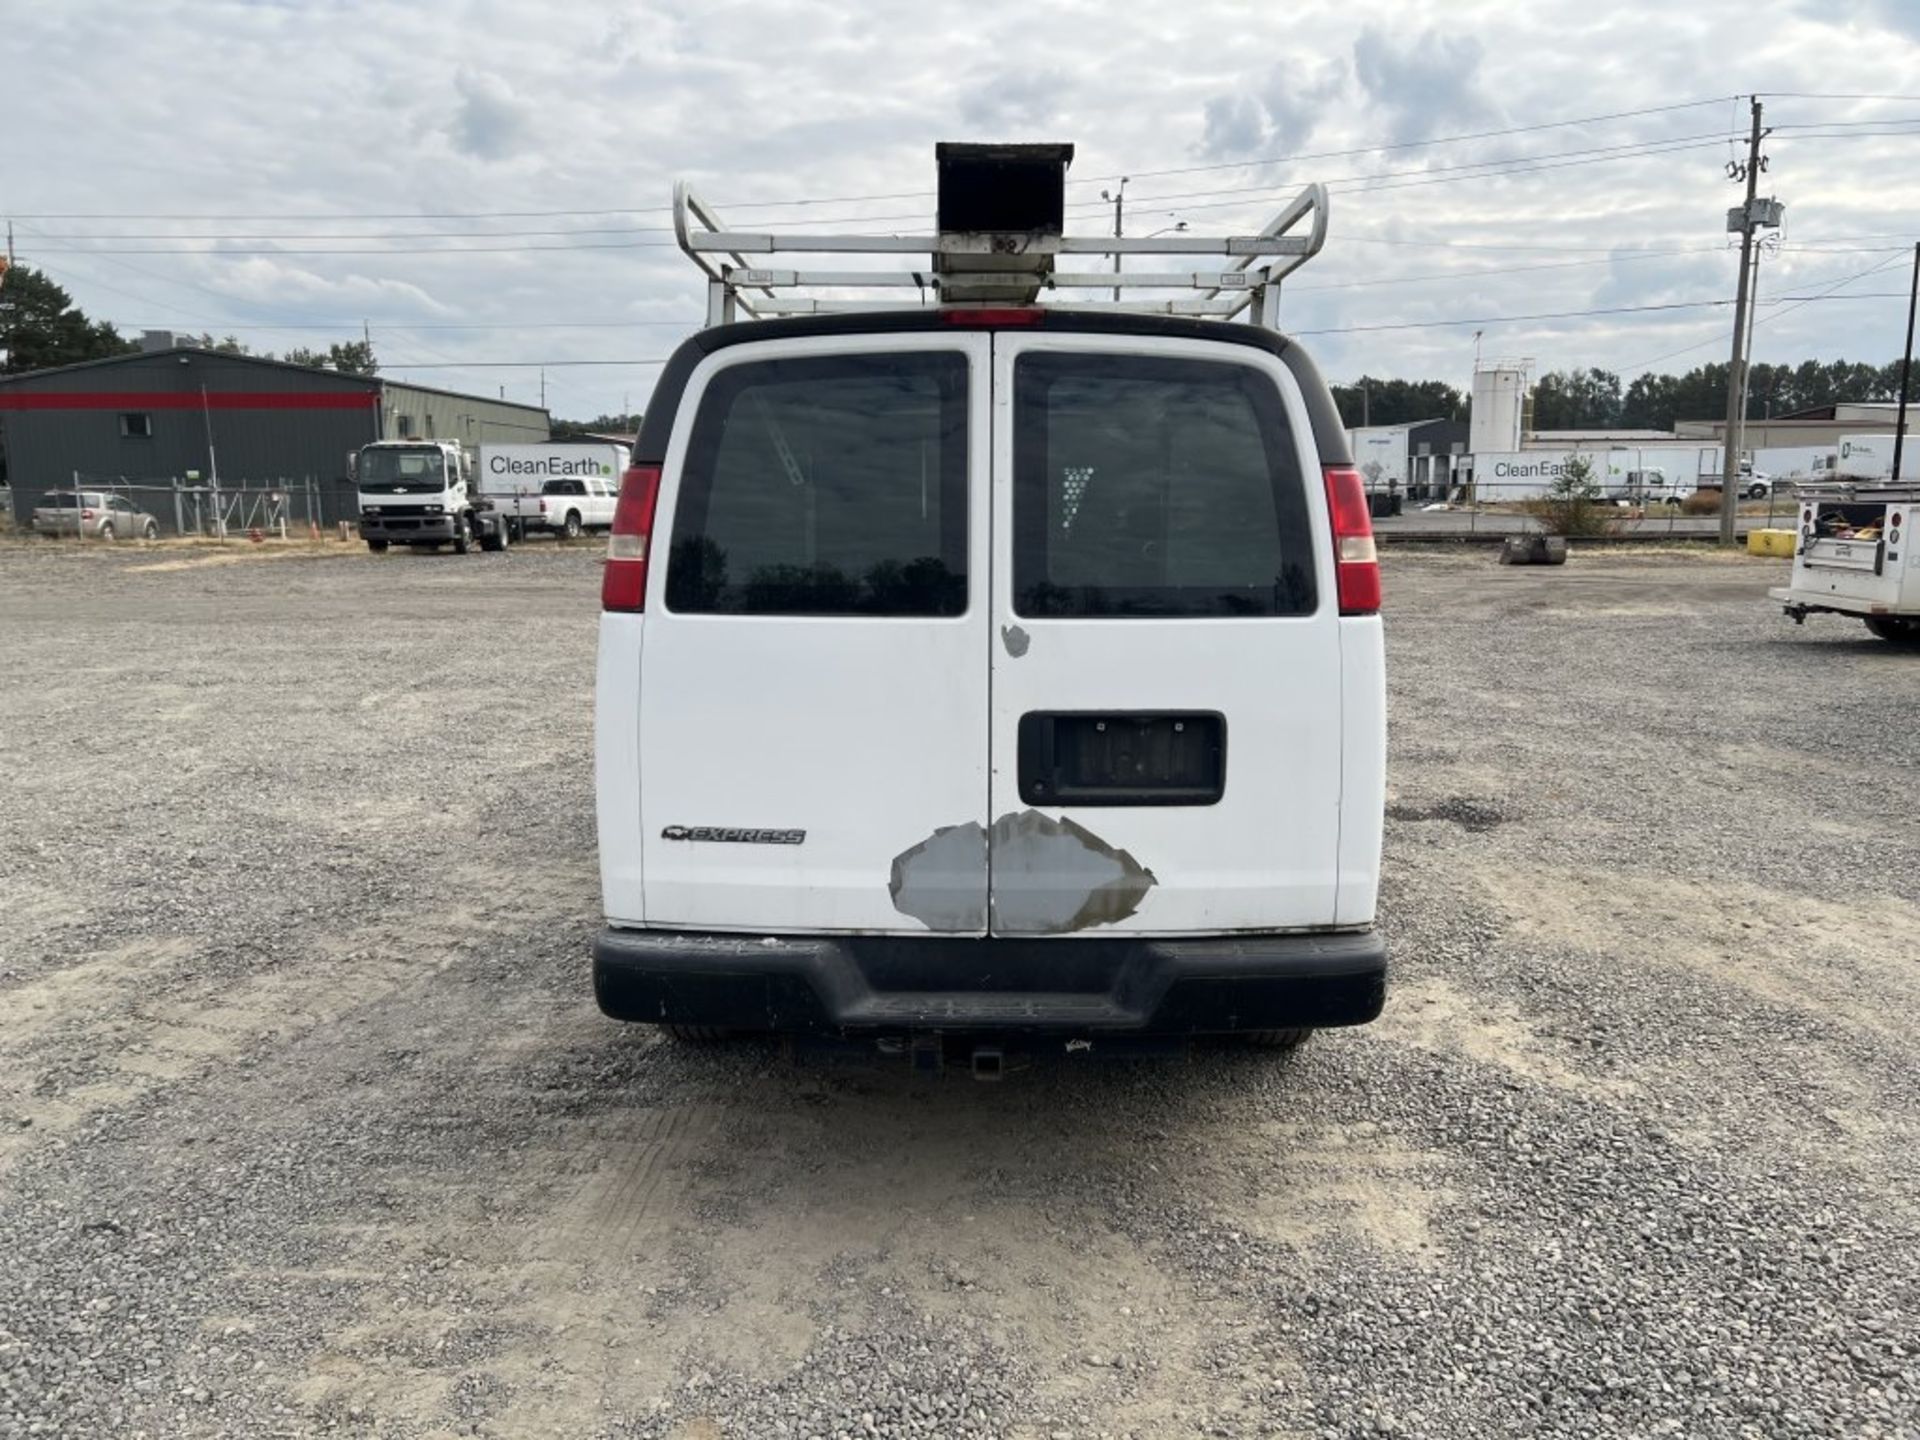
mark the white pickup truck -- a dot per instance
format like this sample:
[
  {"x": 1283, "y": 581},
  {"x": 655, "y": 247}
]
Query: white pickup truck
[
  {"x": 1856, "y": 556},
  {"x": 563, "y": 507},
  {"x": 564, "y": 489}
]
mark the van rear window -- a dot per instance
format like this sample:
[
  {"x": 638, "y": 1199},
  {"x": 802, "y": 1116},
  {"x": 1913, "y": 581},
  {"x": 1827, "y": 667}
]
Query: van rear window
[
  {"x": 1148, "y": 486},
  {"x": 827, "y": 486}
]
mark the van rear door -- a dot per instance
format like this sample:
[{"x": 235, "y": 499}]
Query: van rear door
[
  {"x": 813, "y": 671},
  {"x": 1166, "y": 659}
]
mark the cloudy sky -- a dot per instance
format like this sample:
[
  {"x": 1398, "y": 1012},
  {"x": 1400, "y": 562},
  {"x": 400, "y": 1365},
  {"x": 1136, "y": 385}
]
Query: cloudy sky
[{"x": 485, "y": 184}]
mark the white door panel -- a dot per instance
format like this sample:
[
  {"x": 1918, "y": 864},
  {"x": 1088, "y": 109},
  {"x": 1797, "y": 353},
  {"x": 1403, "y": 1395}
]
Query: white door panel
[
  {"x": 865, "y": 731},
  {"x": 1265, "y": 854}
]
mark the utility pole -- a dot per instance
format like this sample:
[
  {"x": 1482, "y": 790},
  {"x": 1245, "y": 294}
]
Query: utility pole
[
  {"x": 1906, "y": 366},
  {"x": 1746, "y": 219},
  {"x": 1746, "y": 356},
  {"x": 543, "y": 387},
  {"x": 1118, "y": 196}
]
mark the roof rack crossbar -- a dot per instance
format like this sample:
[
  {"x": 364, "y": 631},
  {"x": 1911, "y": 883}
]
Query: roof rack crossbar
[
  {"x": 807, "y": 305},
  {"x": 998, "y": 266}
]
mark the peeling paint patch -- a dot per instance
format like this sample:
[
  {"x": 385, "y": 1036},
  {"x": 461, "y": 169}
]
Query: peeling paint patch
[
  {"x": 942, "y": 881},
  {"x": 1015, "y": 639},
  {"x": 1054, "y": 876}
]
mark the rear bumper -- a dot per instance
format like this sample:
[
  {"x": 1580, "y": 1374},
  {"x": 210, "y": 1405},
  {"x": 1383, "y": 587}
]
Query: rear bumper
[
  {"x": 1800, "y": 603},
  {"x": 408, "y": 530},
  {"x": 835, "y": 984}
]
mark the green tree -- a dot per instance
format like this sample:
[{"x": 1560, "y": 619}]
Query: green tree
[
  {"x": 599, "y": 425},
  {"x": 350, "y": 357},
  {"x": 1649, "y": 403},
  {"x": 230, "y": 345},
  {"x": 40, "y": 325},
  {"x": 1577, "y": 400},
  {"x": 353, "y": 357},
  {"x": 1572, "y": 504},
  {"x": 1372, "y": 401}
]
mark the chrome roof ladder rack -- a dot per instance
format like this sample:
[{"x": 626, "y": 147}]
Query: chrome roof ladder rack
[{"x": 999, "y": 236}]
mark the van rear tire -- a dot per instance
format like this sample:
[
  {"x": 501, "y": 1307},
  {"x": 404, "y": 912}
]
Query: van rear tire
[
  {"x": 1278, "y": 1039},
  {"x": 1894, "y": 628}
]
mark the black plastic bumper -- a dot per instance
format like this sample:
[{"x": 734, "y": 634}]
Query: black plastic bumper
[
  {"x": 834, "y": 984},
  {"x": 431, "y": 529}
]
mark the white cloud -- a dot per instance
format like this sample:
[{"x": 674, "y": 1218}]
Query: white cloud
[
  {"x": 490, "y": 122},
  {"x": 267, "y": 119},
  {"x": 1425, "y": 83}
]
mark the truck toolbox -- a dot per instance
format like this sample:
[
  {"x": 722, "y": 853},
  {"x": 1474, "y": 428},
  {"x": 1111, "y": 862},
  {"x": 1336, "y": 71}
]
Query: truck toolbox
[{"x": 826, "y": 984}]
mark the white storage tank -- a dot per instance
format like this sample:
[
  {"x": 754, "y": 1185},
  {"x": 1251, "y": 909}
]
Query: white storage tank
[{"x": 1499, "y": 409}]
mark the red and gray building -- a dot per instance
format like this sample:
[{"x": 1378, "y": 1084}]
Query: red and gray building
[{"x": 173, "y": 414}]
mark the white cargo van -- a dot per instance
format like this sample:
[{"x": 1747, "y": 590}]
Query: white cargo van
[{"x": 992, "y": 670}]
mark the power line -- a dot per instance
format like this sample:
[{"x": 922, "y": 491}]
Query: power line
[
  {"x": 1829, "y": 287},
  {"x": 1329, "y": 330},
  {"x": 1136, "y": 172},
  {"x": 1088, "y": 206},
  {"x": 1851, "y": 124},
  {"x": 1813, "y": 95},
  {"x": 1505, "y": 270},
  {"x": 1363, "y": 183},
  {"x": 1359, "y": 183},
  {"x": 899, "y": 194},
  {"x": 692, "y": 322},
  {"x": 1577, "y": 314},
  {"x": 1419, "y": 144}
]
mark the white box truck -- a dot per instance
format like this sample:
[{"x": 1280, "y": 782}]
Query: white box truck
[
  {"x": 1870, "y": 457},
  {"x": 563, "y": 488}
]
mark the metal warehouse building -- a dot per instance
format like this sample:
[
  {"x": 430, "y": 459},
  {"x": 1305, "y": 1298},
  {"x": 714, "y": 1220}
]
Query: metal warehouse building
[{"x": 174, "y": 420}]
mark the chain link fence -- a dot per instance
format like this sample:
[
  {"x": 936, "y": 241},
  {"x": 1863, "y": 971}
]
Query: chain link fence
[
  {"x": 283, "y": 507},
  {"x": 1492, "y": 507}
]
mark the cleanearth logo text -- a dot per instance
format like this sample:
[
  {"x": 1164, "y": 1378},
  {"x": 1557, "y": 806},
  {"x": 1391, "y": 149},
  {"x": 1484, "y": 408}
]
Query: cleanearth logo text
[{"x": 548, "y": 465}]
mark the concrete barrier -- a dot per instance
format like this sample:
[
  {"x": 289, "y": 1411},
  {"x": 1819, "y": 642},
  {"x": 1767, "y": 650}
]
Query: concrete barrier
[
  {"x": 1533, "y": 550},
  {"x": 1779, "y": 543}
]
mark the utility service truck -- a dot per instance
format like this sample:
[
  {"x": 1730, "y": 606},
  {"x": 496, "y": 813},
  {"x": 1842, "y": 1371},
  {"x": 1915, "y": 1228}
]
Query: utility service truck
[
  {"x": 1855, "y": 556},
  {"x": 422, "y": 493}
]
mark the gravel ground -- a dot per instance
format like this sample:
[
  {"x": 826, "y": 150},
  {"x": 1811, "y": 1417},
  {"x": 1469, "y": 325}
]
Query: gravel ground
[{"x": 308, "y": 1124}]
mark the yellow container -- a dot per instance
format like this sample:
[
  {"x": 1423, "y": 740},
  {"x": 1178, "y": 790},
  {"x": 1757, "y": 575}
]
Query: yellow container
[{"x": 1771, "y": 542}]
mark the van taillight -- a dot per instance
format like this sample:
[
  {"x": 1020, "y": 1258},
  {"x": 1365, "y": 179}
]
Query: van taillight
[
  {"x": 1356, "y": 563},
  {"x": 624, "y": 585}
]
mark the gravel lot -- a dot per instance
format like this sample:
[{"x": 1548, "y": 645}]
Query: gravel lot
[{"x": 308, "y": 1124}]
